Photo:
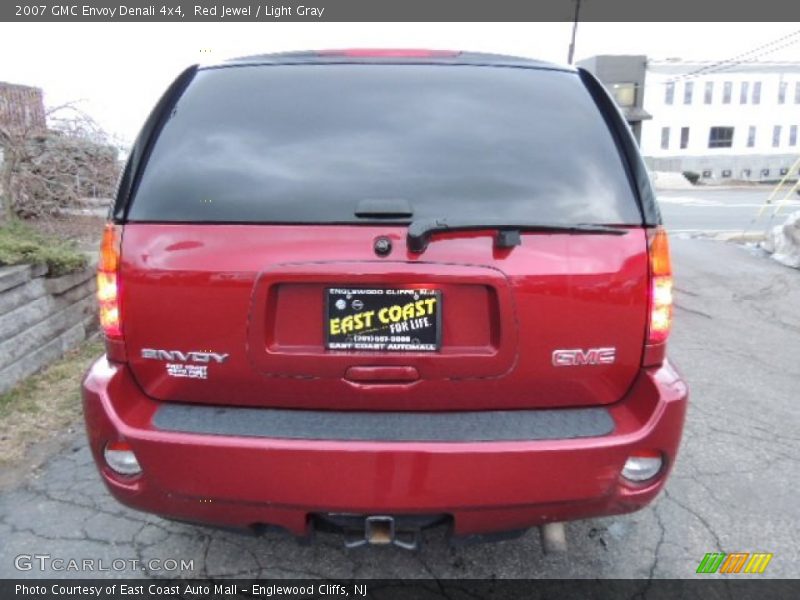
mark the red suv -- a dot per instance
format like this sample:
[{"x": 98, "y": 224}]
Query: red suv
[{"x": 376, "y": 291}]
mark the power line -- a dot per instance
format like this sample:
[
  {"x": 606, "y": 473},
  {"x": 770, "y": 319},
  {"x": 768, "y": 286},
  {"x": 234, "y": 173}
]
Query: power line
[
  {"x": 752, "y": 59},
  {"x": 744, "y": 57},
  {"x": 737, "y": 59}
]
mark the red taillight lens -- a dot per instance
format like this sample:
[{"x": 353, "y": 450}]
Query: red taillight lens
[
  {"x": 108, "y": 283},
  {"x": 660, "y": 321},
  {"x": 118, "y": 446}
]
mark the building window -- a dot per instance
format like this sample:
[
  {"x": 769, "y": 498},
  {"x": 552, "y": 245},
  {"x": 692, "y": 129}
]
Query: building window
[
  {"x": 746, "y": 173},
  {"x": 684, "y": 137},
  {"x": 726, "y": 173},
  {"x": 793, "y": 135},
  {"x": 669, "y": 92},
  {"x": 785, "y": 171},
  {"x": 751, "y": 136},
  {"x": 688, "y": 88},
  {"x": 782, "y": 92},
  {"x": 709, "y": 92},
  {"x": 707, "y": 174},
  {"x": 797, "y": 93},
  {"x": 665, "y": 138},
  {"x": 757, "y": 92},
  {"x": 765, "y": 172},
  {"x": 743, "y": 93},
  {"x": 720, "y": 137},
  {"x": 727, "y": 90},
  {"x": 776, "y": 136},
  {"x": 624, "y": 93}
]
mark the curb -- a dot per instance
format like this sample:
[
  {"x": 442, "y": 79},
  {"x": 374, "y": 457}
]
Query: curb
[
  {"x": 740, "y": 237},
  {"x": 737, "y": 236}
]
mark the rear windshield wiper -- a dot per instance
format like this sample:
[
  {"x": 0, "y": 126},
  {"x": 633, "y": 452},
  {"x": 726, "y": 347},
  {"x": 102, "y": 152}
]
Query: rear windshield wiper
[{"x": 508, "y": 234}]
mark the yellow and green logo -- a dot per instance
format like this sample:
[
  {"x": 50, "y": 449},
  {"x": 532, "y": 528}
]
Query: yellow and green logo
[{"x": 735, "y": 562}]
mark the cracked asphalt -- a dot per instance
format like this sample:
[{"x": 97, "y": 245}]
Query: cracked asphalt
[{"x": 737, "y": 341}]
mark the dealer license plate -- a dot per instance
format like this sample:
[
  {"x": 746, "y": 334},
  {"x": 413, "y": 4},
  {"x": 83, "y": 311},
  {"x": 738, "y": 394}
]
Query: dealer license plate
[{"x": 383, "y": 319}]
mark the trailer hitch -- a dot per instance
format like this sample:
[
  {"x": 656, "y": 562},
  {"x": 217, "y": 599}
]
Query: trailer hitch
[{"x": 379, "y": 530}]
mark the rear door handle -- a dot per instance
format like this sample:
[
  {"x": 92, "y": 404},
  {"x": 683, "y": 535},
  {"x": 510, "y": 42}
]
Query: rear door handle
[{"x": 383, "y": 374}]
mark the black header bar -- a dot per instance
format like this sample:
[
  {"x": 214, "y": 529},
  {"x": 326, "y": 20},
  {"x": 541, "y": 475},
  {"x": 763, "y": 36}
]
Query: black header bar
[
  {"x": 393, "y": 10},
  {"x": 730, "y": 588}
]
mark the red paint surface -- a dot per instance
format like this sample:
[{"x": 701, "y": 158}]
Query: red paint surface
[
  {"x": 485, "y": 486},
  {"x": 256, "y": 293}
]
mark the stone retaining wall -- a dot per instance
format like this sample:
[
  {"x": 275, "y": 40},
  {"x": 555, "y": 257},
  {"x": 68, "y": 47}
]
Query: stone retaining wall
[{"x": 41, "y": 318}]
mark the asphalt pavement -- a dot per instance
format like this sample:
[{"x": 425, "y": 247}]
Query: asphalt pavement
[
  {"x": 731, "y": 210},
  {"x": 737, "y": 341}
]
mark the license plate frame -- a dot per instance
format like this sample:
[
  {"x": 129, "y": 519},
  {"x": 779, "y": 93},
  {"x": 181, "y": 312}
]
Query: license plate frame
[{"x": 402, "y": 319}]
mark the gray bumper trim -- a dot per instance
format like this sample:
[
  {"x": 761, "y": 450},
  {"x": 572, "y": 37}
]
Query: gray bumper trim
[{"x": 472, "y": 426}]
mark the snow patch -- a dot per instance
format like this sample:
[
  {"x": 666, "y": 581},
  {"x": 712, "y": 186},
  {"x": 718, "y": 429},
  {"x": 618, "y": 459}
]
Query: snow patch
[
  {"x": 669, "y": 180},
  {"x": 783, "y": 242}
]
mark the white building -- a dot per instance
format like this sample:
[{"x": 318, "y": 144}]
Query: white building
[
  {"x": 739, "y": 122},
  {"x": 719, "y": 120}
]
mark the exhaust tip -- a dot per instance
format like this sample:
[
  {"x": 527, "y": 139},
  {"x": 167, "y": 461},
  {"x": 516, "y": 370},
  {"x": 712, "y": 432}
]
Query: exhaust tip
[{"x": 554, "y": 538}]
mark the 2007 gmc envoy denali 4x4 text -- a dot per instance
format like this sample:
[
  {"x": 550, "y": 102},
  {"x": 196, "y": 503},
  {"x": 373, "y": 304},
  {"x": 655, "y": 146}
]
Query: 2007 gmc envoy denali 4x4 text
[{"x": 376, "y": 291}]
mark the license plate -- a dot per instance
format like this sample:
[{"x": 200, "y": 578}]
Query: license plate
[{"x": 383, "y": 319}]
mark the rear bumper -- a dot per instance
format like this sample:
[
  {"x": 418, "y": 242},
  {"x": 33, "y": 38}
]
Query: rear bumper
[{"x": 485, "y": 486}]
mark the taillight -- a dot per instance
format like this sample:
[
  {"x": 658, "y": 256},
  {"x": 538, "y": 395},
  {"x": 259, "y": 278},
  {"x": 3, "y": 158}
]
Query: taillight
[
  {"x": 108, "y": 291},
  {"x": 660, "y": 321}
]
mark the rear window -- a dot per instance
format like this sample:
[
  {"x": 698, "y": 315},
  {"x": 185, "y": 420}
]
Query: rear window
[{"x": 308, "y": 143}]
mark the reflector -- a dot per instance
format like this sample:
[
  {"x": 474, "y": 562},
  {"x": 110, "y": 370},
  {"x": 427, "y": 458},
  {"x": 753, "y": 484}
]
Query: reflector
[
  {"x": 642, "y": 465},
  {"x": 121, "y": 459}
]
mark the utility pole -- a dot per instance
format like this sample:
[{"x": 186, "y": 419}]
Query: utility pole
[{"x": 574, "y": 31}]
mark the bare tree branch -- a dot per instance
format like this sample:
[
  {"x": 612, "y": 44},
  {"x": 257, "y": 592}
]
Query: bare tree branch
[{"x": 45, "y": 172}]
